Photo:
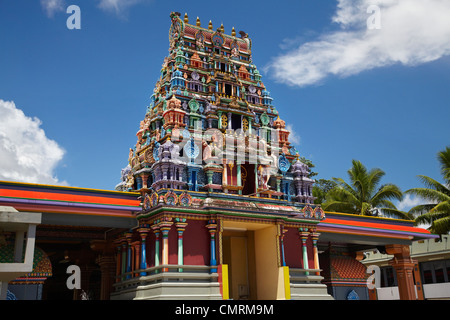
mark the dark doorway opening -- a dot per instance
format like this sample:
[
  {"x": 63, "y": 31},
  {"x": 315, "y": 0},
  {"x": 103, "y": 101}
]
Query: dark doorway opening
[
  {"x": 228, "y": 89},
  {"x": 248, "y": 179},
  {"x": 235, "y": 121}
]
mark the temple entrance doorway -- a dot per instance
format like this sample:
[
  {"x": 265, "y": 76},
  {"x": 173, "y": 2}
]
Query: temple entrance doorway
[{"x": 249, "y": 250}]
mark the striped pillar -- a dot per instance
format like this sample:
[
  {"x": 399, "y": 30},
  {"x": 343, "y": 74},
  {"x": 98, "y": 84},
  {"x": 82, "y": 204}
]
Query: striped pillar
[
  {"x": 124, "y": 259},
  {"x": 157, "y": 232},
  {"x": 283, "y": 231},
  {"x": 164, "y": 226},
  {"x": 304, "y": 236},
  {"x": 129, "y": 237},
  {"x": 143, "y": 232},
  {"x": 219, "y": 113},
  {"x": 180, "y": 224},
  {"x": 118, "y": 243},
  {"x": 256, "y": 179},
  {"x": 212, "y": 227},
  {"x": 315, "y": 238},
  {"x": 238, "y": 176}
]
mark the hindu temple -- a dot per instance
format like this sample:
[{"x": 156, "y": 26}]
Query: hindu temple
[{"x": 214, "y": 204}]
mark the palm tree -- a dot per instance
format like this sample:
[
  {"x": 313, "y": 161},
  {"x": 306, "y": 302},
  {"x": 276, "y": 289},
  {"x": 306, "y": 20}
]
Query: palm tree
[
  {"x": 437, "y": 211},
  {"x": 362, "y": 195}
]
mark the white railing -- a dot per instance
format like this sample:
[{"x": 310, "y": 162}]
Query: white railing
[
  {"x": 165, "y": 273},
  {"x": 305, "y": 275}
]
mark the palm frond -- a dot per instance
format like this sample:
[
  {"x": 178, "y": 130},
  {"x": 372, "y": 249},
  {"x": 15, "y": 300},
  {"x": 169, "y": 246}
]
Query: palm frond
[
  {"x": 395, "y": 213},
  {"x": 443, "y": 207},
  {"x": 421, "y": 208},
  {"x": 387, "y": 192},
  {"x": 345, "y": 186},
  {"x": 386, "y": 204},
  {"x": 430, "y": 217},
  {"x": 373, "y": 180},
  {"x": 339, "y": 206},
  {"x": 444, "y": 160},
  {"x": 433, "y": 184},
  {"x": 441, "y": 226},
  {"x": 429, "y": 194}
]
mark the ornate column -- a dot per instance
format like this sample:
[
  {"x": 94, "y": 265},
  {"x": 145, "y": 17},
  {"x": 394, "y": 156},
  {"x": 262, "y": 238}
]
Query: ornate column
[
  {"x": 282, "y": 232},
  {"x": 212, "y": 227},
  {"x": 304, "y": 236},
  {"x": 278, "y": 184},
  {"x": 143, "y": 232},
  {"x": 107, "y": 264},
  {"x": 118, "y": 244},
  {"x": 124, "y": 259},
  {"x": 315, "y": 238},
  {"x": 144, "y": 178},
  {"x": 404, "y": 267},
  {"x": 180, "y": 224},
  {"x": 164, "y": 226},
  {"x": 129, "y": 238},
  {"x": 136, "y": 257},
  {"x": 238, "y": 177},
  {"x": 138, "y": 183},
  {"x": 157, "y": 232},
  {"x": 219, "y": 114},
  {"x": 256, "y": 178},
  {"x": 209, "y": 175},
  {"x": 225, "y": 175}
]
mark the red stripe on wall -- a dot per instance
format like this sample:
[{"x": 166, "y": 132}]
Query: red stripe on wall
[
  {"x": 69, "y": 210},
  {"x": 66, "y": 197},
  {"x": 391, "y": 227}
]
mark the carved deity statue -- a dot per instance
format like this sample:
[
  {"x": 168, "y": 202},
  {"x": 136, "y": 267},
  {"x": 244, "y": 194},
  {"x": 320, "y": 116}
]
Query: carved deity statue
[
  {"x": 234, "y": 52},
  {"x": 130, "y": 155},
  {"x": 130, "y": 181},
  {"x": 141, "y": 130},
  {"x": 207, "y": 154},
  {"x": 263, "y": 177}
]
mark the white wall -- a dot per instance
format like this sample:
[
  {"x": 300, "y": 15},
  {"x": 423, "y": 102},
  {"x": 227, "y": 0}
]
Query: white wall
[
  {"x": 431, "y": 291},
  {"x": 437, "y": 290}
]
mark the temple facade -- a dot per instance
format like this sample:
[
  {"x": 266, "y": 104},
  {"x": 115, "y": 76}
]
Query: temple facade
[
  {"x": 222, "y": 189},
  {"x": 212, "y": 156},
  {"x": 214, "y": 204}
]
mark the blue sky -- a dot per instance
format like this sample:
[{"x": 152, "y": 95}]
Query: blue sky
[{"x": 71, "y": 100}]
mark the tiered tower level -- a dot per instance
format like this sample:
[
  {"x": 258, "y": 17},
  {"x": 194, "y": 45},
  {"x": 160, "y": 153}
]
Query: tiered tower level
[{"x": 211, "y": 125}]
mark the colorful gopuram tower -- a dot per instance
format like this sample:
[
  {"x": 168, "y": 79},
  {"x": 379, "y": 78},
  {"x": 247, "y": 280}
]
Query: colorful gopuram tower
[
  {"x": 211, "y": 124},
  {"x": 223, "y": 190}
]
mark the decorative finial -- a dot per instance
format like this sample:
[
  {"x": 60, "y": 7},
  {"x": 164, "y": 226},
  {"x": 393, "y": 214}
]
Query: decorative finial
[
  {"x": 210, "y": 25},
  {"x": 222, "y": 29},
  {"x": 186, "y": 18},
  {"x": 233, "y": 32},
  {"x": 198, "y": 22}
]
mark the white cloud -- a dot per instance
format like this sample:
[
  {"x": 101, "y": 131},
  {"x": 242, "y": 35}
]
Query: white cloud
[
  {"x": 412, "y": 32},
  {"x": 294, "y": 138},
  {"x": 409, "y": 202},
  {"x": 119, "y": 7},
  {"x": 26, "y": 154},
  {"x": 52, "y": 6}
]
